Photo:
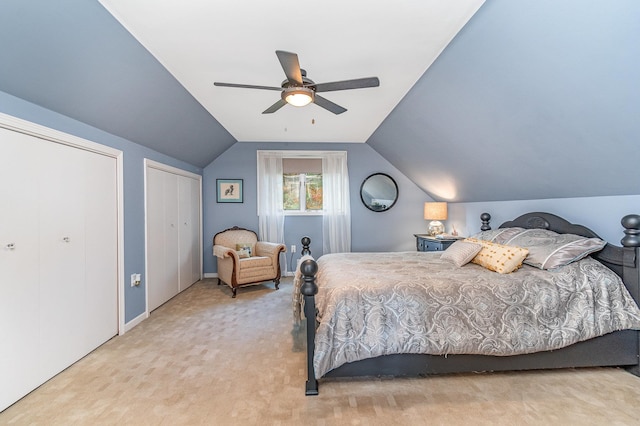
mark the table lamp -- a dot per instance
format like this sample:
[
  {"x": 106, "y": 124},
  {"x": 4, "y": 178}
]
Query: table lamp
[{"x": 435, "y": 212}]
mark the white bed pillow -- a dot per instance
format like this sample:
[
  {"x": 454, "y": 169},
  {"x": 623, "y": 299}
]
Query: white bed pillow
[
  {"x": 461, "y": 252},
  {"x": 548, "y": 249},
  {"x": 500, "y": 235}
]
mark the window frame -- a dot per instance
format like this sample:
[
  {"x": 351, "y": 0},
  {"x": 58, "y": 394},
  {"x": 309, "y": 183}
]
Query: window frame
[{"x": 298, "y": 154}]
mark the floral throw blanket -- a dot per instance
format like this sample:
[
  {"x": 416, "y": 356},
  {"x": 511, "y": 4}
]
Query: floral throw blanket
[{"x": 372, "y": 304}]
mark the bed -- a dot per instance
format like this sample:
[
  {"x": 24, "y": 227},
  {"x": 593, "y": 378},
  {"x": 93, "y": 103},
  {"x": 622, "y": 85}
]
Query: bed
[{"x": 437, "y": 320}]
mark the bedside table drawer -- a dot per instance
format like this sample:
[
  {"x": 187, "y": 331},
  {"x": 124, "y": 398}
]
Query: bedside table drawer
[
  {"x": 424, "y": 243},
  {"x": 434, "y": 245}
]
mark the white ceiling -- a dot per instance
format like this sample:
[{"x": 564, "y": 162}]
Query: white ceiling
[{"x": 234, "y": 41}]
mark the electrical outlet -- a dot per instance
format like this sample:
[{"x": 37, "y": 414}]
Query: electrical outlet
[
  {"x": 135, "y": 280},
  {"x": 293, "y": 248}
]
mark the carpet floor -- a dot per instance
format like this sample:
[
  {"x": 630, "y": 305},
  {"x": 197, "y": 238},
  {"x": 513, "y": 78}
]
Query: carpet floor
[{"x": 204, "y": 358}]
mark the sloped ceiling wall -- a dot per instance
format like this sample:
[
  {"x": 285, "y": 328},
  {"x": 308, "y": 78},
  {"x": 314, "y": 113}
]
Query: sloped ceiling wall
[
  {"x": 74, "y": 58},
  {"x": 532, "y": 99}
]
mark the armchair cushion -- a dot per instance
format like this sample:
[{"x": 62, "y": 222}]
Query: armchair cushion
[
  {"x": 247, "y": 248},
  {"x": 255, "y": 262}
]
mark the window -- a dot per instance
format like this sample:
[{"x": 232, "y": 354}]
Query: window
[
  {"x": 331, "y": 183},
  {"x": 302, "y": 185}
]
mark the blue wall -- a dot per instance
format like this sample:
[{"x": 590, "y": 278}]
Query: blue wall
[
  {"x": 370, "y": 231},
  {"x": 601, "y": 214},
  {"x": 134, "y": 252},
  {"x": 531, "y": 100}
]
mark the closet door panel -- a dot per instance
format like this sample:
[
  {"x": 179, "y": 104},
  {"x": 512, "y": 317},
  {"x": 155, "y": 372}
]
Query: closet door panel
[
  {"x": 162, "y": 236},
  {"x": 196, "y": 241},
  {"x": 101, "y": 247},
  {"x": 188, "y": 248},
  {"x": 171, "y": 241},
  {"x": 155, "y": 236},
  {"x": 62, "y": 256},
  {"x": 19, "y": 288}
]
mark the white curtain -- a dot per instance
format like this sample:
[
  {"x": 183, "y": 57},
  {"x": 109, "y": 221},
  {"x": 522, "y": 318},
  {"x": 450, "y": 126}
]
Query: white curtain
[
  {"x": 270, "y": 204},
  {"x": 336, "y": 220}
]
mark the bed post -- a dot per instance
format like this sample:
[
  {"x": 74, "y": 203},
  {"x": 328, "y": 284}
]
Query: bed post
[
  {"x": 631, "y": 265},
  {"x": 485, "y": 218},
  {"x": 631, "y": 256},
  {"x": 305, "y": 241},
  {"x": 308, "y": 268}
]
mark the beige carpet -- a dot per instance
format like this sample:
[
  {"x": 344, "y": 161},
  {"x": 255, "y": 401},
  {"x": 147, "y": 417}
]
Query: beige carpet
[{"x": 205, "y": 358}]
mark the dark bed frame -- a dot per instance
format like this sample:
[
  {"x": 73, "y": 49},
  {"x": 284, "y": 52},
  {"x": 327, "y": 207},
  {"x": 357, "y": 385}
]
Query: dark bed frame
[{"x": 619, "y": 349}]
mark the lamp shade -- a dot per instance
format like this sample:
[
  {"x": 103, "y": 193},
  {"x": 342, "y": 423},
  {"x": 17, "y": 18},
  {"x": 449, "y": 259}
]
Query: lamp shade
[{"x": 435, "y": 211}]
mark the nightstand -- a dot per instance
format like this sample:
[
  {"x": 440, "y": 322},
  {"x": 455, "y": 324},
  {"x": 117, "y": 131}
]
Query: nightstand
[{"x": 425, "y": 242}]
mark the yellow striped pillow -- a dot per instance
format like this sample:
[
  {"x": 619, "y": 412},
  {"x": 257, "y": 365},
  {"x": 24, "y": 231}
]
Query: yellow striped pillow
[{"x": 497, "y": 257}]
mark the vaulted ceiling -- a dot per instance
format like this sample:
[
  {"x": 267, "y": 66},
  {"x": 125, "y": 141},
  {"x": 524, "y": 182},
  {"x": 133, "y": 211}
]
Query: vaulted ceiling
[
  {"x": 529, "y": 100},
  {"x": 200, "y": 42}
]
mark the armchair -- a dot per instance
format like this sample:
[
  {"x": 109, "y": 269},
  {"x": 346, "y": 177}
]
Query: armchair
[{"x": 243, "y": 260}]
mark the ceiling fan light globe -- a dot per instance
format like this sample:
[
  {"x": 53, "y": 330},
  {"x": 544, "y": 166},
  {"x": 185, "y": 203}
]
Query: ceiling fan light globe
[{"x": 298, "y": 96}]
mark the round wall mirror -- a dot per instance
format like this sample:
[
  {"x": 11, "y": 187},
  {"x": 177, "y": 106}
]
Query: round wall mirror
[{"x": 379, "y": 192}]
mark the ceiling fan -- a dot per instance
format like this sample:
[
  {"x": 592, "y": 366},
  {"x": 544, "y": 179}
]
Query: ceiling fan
[{"x": 298, "y": 90}]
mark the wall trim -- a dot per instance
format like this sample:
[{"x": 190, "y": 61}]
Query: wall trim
[
  {"x": 171, "y": 169},
  {"x": 137, "y": 320}
]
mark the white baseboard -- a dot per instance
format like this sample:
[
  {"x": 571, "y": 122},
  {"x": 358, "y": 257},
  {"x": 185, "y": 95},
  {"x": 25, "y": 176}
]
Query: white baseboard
[
  {"x": 137, "y": 320},
  {"x": 215, "y": 274}
]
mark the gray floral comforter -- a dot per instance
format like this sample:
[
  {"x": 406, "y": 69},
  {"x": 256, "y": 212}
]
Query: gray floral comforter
[{"x": 372, "y": 304}]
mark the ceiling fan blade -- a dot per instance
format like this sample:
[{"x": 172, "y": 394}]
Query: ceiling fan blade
[
  {"x": 291, "y": 66},
  {"x": 358, "y": 83},
  {"x": 273, "y": 108},
  {"x": 328, "y": 105},
  {"x": 247, "y": 86}
]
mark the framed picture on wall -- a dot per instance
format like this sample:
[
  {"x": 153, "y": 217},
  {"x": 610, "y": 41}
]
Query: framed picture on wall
[{"x": 229, "y": 190}]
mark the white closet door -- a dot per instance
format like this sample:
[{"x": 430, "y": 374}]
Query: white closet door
[
  {"x": 19, "y": 288},
  {"x": 171, "y": 237},
  {"x": 58, "y": 254},
  {"x": 155, "y": 237},
  {"x": 101, "y": 248},
  {"x": 173, "y": 232},
  {"x": 196, "y": 236},
  {"x": 189, "y": 199},
  {"x": 62, "y": 255},
  {"x": 162, "y": 237}
]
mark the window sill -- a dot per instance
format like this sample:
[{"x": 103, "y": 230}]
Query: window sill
[{"x": 308, "y": 213}]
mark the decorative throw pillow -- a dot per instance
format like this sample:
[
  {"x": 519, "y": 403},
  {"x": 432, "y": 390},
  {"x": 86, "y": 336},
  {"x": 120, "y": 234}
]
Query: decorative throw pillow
[
  {"x": 245, "y": 247},
  {"x": 548, "y": 249},
  {"x": 461, "y": 252},
  {"x": 499, "y": 258},
  {"x": 243, "y": 254},
  {"x": 500, "y": 235}
]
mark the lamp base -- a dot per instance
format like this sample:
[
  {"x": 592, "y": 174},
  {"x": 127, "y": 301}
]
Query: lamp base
[{"x": 435, "y": 228}]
